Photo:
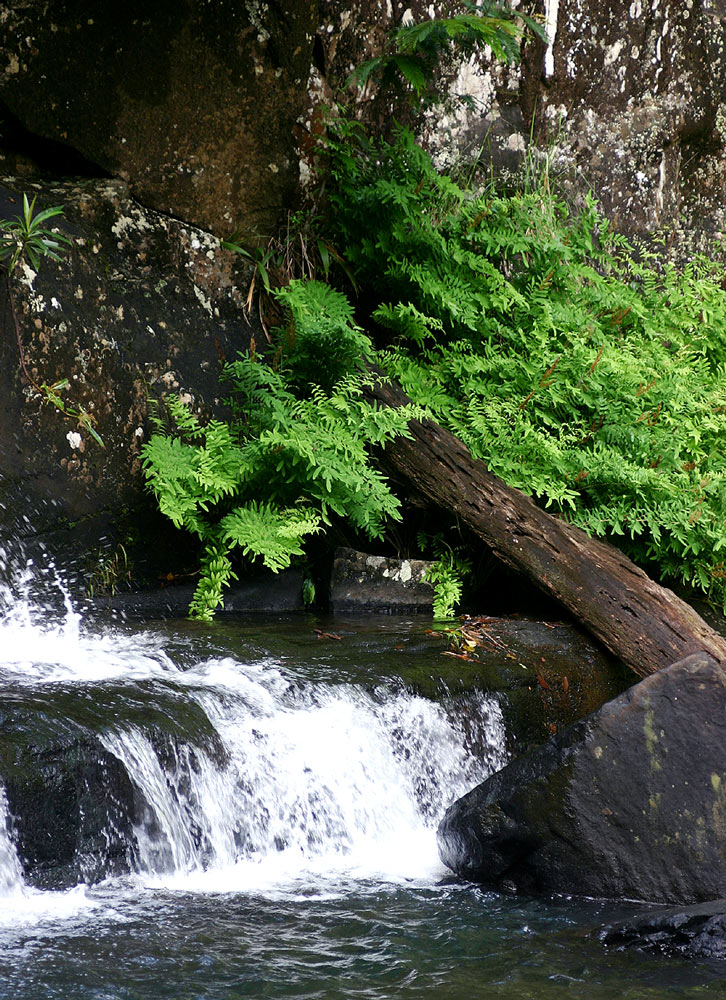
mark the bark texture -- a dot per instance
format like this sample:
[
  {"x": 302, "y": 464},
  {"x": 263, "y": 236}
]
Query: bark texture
[{"x": 647, "y": 626}]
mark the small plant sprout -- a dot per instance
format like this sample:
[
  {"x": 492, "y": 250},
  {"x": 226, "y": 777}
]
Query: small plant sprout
[{"x": 26, "y": 236}]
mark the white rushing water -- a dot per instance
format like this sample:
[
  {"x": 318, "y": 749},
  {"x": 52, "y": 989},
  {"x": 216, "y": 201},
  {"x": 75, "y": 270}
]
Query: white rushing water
[
  {"x": 11, "y": 874},
  {"x": 304, "y": 784},
  {"x": 319, "y": 779}
]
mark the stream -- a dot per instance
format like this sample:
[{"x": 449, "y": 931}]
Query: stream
[{"x": 286, "y": 795}]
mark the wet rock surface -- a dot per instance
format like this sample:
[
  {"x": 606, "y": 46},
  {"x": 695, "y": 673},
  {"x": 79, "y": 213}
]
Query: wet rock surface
[
  {"x": 631, "y": 99},
  {"x": 692, "y": 932},
  {"x": 626, "y": 803},
  {"x": 194, "y": 104},
  {"x": 72, "y": 804},
  {"x": 362, "y": 582},
  {"x": 548, "y": 674},
  {"x": 270, "y": 593},
  {"x": 73, "y": 810}
]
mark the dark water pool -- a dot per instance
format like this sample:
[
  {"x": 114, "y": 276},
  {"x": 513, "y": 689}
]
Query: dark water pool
[{"x": 346, "y": 940}]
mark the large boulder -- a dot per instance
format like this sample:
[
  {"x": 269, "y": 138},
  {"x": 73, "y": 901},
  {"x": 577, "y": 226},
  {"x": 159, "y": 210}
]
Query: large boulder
[
  {"x": 196, "y": 105},
  {"x": 209, "y": 111},
  {"x": 73, "y": 805},
  {"x": 141, "y": 306},
  {"x": 629, "y": 101},
  {"x": 630, "y": 802}
]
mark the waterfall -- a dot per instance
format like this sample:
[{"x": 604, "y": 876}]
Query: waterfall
[
  {"x": 294, "y": 778},
  {"x": 312, "y": 776},
  {"x": 11, "y": 874}
]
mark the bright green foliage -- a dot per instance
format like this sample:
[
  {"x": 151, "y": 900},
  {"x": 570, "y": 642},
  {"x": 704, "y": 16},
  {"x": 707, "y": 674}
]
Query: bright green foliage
[
  {"x": 290, "y": 457},
  {"x": 413, "y": 51},
  {"x": 320, "y": 327},
  {"x": 582, "y": 373},
  {"x": 447, "y": 575},
  {"x": 25, "y": 235}
]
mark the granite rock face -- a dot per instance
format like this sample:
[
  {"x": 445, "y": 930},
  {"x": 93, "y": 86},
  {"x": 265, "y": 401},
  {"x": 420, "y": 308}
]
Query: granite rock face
[
  {"x": 362, "y": 582},
  {"x": 202, "y": 119},
  {"x": 210, "y": 111},
  {"x": 629, "y": 802},
  {"x": 141, "y": 306},
  {"x": 630, "y": 101},
  {"x": 195, "y": 105}
]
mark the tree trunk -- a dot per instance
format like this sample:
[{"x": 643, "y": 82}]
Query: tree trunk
[{"x": 645, "y": 625}]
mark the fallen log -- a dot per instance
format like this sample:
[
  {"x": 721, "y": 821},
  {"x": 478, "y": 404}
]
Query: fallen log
[{"x": 644, "y": 624}]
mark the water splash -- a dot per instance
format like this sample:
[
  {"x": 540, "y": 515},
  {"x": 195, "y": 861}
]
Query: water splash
[
  {"x": 314, "y": 778},
  {"x": 44, "y": 640},
  {"x": 303, "y": 783},
  {"x": 11, "y": 874}
]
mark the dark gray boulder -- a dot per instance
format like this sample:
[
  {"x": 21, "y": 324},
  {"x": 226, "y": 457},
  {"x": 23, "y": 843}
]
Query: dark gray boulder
[
  {"x": 141, "y": 306},
  {"x": 71, "y": 801},
  {"x": 630, "y": 802},
  {"x": 362, "y": 582},
  {"x": 72, "y": 804},
  {"x": 689, "y": 932}
]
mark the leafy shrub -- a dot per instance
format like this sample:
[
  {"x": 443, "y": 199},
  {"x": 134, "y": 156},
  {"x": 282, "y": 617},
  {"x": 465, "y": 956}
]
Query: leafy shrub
[
  {"x": 290, "y": 456},
  {"x": 320, "y": 340},
  {"x": 582, "y": 372}
]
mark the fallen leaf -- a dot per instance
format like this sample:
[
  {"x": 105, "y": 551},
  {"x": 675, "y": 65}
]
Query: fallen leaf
[
  {"x": 542, "y": 682},
  {"x": 565, "y": 685}
]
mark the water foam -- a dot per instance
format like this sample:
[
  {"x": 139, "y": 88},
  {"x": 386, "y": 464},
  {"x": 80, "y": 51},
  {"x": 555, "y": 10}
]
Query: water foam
[
  {"x": 317, "y": 780},
  {"x": 307, "y": 784}
]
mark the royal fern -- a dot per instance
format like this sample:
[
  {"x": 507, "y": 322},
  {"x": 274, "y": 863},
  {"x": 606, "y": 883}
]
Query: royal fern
[
  {"x": 293, "y": 453},
  {"x": 586, "y": 374}
]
